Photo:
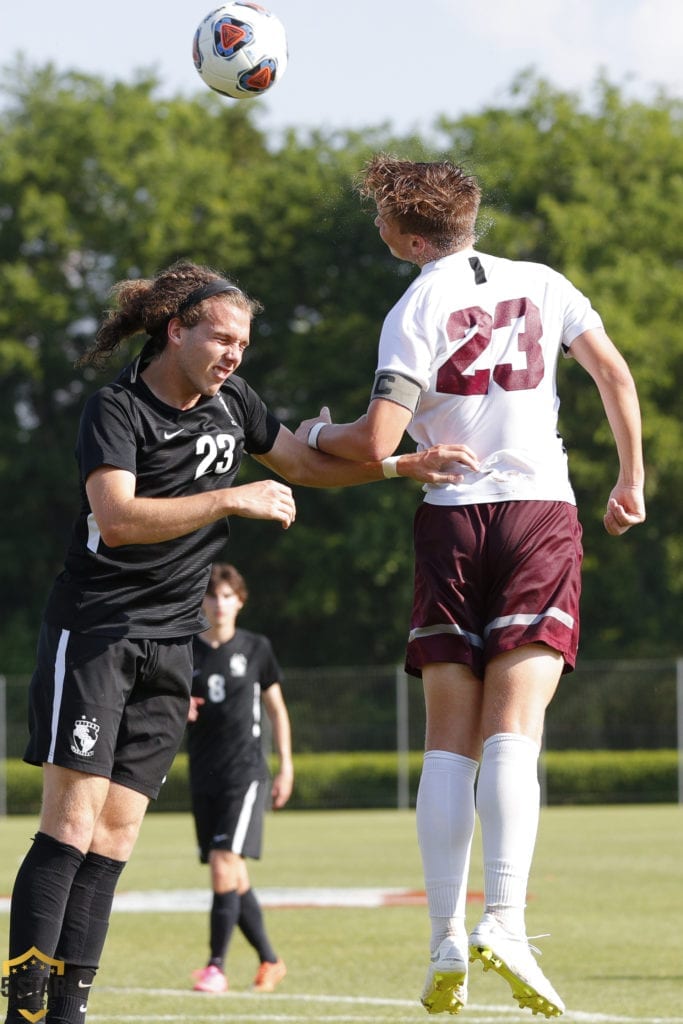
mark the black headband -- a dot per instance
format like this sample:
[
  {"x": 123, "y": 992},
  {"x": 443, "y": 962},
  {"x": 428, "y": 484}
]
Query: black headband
[{"x": 215, "y": 287}]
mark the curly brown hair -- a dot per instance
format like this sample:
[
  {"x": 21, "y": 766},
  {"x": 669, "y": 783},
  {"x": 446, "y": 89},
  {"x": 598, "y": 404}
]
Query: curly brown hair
[
  {"x": 436, "y": 200},
  {"x": 146, "y": 305}
]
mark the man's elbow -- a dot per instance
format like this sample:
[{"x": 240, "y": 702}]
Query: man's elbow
[
  {"x": 114, "y": 538},
  {"x": 115, "y": 534},
  {"x": 379, "y": 441},
  {"x": 375, "y": 450}
]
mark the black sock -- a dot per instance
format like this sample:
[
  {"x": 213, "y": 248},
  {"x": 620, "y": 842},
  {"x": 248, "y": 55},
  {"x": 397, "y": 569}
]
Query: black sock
[
  {"x": 253, "y": 928},
  {"x": 40, "y": 895},
  {"x": 39, "y": 898},
  {"x": 87, "y": 913},
  {"x": 67, "y": 999},
  {"x": 225, "y": 910},
  {"x": 84, "y": 930}
]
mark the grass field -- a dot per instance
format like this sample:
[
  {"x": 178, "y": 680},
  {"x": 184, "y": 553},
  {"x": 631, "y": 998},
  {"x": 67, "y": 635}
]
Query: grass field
[{"x": 607, "y": 883}]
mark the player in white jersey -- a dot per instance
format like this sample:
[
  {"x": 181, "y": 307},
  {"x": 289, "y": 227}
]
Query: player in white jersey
[
  {"x": 468, "y": 356},
  {"x": 487, "y": 362},
  {"x": 158, "y": 452}
]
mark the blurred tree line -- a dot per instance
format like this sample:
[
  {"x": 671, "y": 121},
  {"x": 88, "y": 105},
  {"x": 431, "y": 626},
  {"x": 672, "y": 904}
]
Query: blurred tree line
[{"x": 101, "y": 181}]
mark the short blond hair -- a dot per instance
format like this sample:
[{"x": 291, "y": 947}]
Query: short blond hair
[{"x": 439, "y": 200}]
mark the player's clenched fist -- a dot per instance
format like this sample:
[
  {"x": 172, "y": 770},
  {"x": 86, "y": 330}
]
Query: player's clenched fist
[
  {"x": 265, "y": 499},
  {"x": 622, "y": 514}
]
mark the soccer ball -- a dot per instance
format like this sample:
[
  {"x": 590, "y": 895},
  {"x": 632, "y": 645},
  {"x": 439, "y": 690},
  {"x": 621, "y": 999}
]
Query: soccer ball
[{"x": 240, "y": 49}]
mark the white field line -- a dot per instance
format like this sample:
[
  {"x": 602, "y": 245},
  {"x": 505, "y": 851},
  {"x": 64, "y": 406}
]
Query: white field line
[
  {"x": 481, "y": 1013},
  {"x": 179, "y": 900},
  {"x": 200, "y": 899}
]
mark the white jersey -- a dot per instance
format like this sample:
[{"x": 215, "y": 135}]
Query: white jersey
[{"x": 481, "y": 336}]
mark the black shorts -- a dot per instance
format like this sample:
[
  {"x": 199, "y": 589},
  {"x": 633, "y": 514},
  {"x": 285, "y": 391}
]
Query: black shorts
[
  {"x": 231, "y": 819},
  {"x": 109, "y": 706},
  {"x": 490, "y": 578}
]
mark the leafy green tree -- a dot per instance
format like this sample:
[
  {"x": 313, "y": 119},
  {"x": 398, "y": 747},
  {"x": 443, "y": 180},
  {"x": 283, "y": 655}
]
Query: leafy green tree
[{"x": 100, "y": 182}]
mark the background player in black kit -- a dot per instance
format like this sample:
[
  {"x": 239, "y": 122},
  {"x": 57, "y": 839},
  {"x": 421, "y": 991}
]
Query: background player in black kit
[
  {"x": 158, "y": 451},
  {"x": 235, "y": 672}
]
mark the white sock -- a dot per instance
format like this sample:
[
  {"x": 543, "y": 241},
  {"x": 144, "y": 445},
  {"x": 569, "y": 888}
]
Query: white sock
[
  {"x": 445, "y": 825},
  {"x": 508, "y": 804}
]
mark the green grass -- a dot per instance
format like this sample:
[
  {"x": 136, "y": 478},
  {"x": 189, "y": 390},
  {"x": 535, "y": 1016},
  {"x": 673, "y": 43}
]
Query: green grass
[{"x": 606, "y": 883}]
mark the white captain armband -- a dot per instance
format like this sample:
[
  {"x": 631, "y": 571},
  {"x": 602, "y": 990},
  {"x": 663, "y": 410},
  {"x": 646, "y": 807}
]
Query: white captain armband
[{"x": 396, "y": 388}]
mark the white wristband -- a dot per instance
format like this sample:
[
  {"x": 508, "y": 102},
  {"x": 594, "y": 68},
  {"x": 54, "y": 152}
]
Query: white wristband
[
  {"x": 313, "y": 433},
  {"x": 389, "y": 466}
]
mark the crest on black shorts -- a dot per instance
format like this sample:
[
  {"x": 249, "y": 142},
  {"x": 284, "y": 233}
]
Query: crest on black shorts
[{"x": 84, "y": 736}]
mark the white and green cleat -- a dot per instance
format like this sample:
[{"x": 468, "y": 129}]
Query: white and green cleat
[
  {"x": 445, "y": 987},
  {"x": 510, "y": 956}
]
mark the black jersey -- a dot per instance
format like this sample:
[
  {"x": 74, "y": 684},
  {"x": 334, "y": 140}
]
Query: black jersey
[
  {"x": 154, "y": 590},
  {"x": 224, "y": 743}
]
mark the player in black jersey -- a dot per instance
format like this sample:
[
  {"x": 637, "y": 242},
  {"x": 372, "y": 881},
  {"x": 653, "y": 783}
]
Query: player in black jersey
[
  {"x": 235, "y": 672},
  {"x": 158, "y": 451}
]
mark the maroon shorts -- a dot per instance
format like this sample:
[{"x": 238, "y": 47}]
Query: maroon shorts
[{"x": 492, "y": 577}]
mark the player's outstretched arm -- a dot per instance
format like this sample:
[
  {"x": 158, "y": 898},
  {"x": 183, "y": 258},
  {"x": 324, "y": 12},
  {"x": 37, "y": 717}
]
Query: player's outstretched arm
[{"x": 300, "y": 464}]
